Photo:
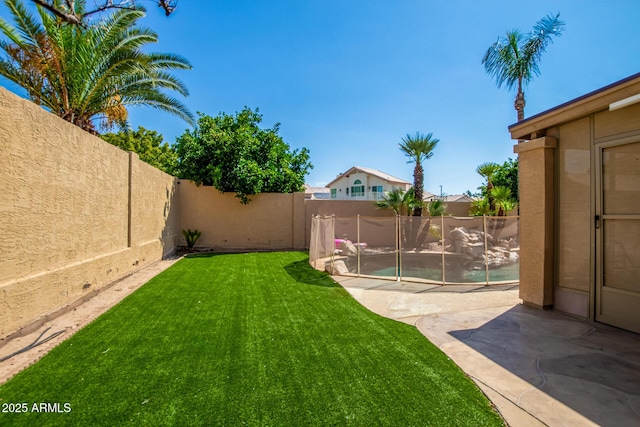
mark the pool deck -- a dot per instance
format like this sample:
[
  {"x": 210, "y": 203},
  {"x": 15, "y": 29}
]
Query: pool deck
[{"x": 539, "y": 368}]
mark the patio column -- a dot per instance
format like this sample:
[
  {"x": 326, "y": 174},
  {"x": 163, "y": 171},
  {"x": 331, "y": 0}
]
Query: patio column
[{"x": 537, "y": 212}]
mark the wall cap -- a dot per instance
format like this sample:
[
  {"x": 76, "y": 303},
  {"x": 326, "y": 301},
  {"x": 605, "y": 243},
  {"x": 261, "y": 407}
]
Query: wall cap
[{"x": 535, "y": 144}]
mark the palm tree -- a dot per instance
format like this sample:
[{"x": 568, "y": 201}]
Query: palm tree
[
  {"x": 487, "y": 171},
  {"x": 504, "y": 201},
  {"x": 89, "y": 75},
  {"x": 480, "y": 207},
  {"x": 436, "y": 208},
  {"x": 513, "y": 60},
  {"x": 418, "y": 148},
  {"x": 402, "y": 202}
]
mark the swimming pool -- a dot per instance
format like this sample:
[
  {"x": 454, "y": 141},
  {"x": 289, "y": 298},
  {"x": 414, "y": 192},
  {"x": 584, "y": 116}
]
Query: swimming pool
[{"x": 429, "y": 267}]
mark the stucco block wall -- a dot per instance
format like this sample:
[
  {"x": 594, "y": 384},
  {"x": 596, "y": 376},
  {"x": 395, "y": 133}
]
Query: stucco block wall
[
  {"x": 269, "y": 222},
  {"x": 67, "y": 222}
]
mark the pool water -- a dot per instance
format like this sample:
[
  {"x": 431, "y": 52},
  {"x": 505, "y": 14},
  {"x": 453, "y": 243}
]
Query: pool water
[{"x": 510, "y": 272}]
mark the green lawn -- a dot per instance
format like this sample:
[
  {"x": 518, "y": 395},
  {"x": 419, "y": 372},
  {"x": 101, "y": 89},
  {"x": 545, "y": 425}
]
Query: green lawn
[{"x": 246, "y": 339}]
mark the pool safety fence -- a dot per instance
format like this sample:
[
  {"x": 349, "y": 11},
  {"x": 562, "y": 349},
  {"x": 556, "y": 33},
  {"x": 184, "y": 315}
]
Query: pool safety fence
[{"x": 439, "y": 250}]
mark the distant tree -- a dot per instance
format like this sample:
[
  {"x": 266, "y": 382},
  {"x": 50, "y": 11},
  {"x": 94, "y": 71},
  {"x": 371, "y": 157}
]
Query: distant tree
[
  {"x": 89, "y": 76},
  {"x": 513, "y": 60},
  {"x": 234, "y": 154},
  {"x": 436, "y": 208},
  {"x": 495, "y": 174},
  {"x": 418, "y": 148},
  {"x": 67, "y": 11},
  {"x": 506, "y": 175},
  {"x": 487, "y": 171},
  {"x": 149, "y": 145},
  {"x": 480, "y": 207},
  {"x": 499, "y": 194}
]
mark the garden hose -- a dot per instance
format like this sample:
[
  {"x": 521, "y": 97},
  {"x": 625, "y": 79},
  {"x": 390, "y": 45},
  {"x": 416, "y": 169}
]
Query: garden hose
[{"x": 36, "y": 343}]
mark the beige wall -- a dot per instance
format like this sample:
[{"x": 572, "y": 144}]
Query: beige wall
[
  {"x": 76, "y": 213},
  {"x": 567, "y": 171},
  {"x": 268, "y": 222},
  {"x": 536, "y": 175},
  {"x": 574, "y": 242}
]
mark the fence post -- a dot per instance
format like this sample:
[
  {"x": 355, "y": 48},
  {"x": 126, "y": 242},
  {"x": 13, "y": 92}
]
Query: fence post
[
  {"x": 333, "y": 241},
  {"x": 358, "y": 238},
  {"x": 398, "y": 250},
  {"x": 442, "y": 243},
  {"x": 486, "y": 250}
]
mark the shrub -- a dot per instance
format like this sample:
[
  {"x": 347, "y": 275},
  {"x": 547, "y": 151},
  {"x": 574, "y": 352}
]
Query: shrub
[{"x": 191, "y": 237}]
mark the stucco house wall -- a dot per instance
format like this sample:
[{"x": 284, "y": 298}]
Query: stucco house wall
[
  {"x": 372, "y": 182},
  {"x": 560, "y": 187}
]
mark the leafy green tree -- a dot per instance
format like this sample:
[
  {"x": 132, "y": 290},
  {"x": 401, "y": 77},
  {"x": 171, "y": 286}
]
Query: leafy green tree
[
  {"x": 149, "y": 145},
  {"x": 234, "y": 154},
  {"x": 513, "y": 60},
  {"x": 506, "y": 175},
  {"x": 481, "y": 207},
  {"x": 499, "y": 179},
  {"x": 418, "y": 148},
  {"x": 89, "y": 75}
]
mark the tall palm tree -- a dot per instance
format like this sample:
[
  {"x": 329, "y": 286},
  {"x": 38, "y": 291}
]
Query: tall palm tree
[
  {"x": 418, "y": 148},
  {"x": 513, "y": 60},
  {"x": 89, "y": 76}
]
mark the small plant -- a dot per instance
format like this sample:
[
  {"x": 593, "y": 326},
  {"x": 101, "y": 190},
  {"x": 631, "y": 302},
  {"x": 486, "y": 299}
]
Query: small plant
[{"x": 191, "y": 237}]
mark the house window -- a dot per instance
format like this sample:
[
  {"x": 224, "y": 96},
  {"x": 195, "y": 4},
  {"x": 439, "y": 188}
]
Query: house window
[
  {"x": 376, "y": 192},
  {"x": 357, "y": 182},
  {"x": 357, "y": 191},
  {"x": 347, "y": 191},
  {"x": 334, "y": 193}
]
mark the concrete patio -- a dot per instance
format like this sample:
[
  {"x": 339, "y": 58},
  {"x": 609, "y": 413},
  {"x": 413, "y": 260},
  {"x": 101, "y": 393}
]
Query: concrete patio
[{"x": 538, "y": 367}]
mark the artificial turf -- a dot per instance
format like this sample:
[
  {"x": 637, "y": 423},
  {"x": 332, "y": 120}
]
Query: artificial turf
[{"x": 245, "y": 339}]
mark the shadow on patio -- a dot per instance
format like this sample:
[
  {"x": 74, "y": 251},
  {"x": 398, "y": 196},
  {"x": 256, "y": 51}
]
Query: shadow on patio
[
  {"x": 554, "y": 367},
  {"x": 538, "y": 367}
]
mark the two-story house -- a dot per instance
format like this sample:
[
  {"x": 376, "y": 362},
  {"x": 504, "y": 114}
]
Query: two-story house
[{"x": 360, "y": 183}]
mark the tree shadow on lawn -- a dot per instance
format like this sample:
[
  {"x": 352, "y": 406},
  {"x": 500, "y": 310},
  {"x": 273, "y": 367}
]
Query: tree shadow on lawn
[{"x": 302, "y": 272}]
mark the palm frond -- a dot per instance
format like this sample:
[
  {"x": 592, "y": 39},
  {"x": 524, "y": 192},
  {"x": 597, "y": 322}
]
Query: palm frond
[{"x": 90, "y": 73}]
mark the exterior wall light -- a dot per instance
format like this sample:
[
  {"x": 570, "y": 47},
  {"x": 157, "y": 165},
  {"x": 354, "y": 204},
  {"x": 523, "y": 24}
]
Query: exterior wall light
[{"x": 624, "y": 102}]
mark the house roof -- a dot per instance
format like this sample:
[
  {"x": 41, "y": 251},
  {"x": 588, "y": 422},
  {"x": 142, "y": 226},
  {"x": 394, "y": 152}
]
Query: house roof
[
  {"x": 449, "y": 198},
  {"x": 370, "y": 171},
  {"x": 592, "y": 102}
]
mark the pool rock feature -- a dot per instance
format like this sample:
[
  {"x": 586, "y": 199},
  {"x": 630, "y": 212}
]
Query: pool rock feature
[
  {"x": 471, "y": 244},
  {"x": 338, "y": 268}
]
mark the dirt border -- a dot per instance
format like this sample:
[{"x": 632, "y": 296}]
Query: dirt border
[{"x": 70, "y": 319}]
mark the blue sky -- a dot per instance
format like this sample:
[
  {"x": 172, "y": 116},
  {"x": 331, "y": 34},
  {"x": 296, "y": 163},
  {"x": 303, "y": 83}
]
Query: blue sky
[{"x": 349, "y": 79}]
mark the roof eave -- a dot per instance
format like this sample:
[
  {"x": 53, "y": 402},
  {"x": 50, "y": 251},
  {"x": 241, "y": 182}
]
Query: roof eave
[{"x": 592, "y": 102}]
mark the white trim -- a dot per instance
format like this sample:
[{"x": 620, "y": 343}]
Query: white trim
[{"x": 624, "y": 102}]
